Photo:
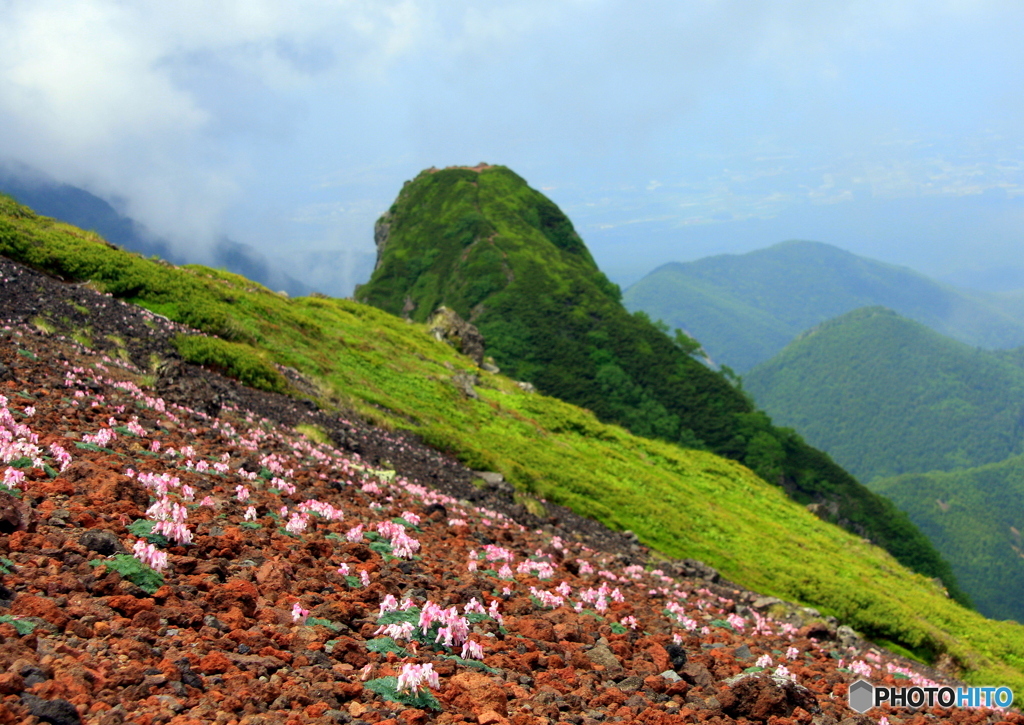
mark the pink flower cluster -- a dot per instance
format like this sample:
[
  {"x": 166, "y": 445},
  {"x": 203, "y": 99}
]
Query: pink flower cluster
[
  {"x": 170, "y": 520},
  {"x": 297, "y": 523},
  {"x": 321, "y": 508},
  {"x": 150, "y": 555},
  {"x": 414, "y": 678},
  {"x": 60, "y": 455},
  {"x": 402, "y": 544},
  {"x": 547, "y": 599},
  {"x": 16, "y": 440},
  {"x": 542, "y": 569},
  {"x": 13, "y": 478},
  {"x": 101, "y": 438},
  {"x": 454, "y": 630}
]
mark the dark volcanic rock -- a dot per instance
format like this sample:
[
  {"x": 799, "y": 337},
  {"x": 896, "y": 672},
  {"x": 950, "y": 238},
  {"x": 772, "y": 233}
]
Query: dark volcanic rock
[
  {"x": 759, "y": 697},
  {"x": 56, "y": 712}
]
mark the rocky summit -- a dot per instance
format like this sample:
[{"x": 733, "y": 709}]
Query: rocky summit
[{"x": 176, "y": 548}]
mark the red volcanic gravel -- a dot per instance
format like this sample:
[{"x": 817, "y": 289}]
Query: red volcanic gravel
[{"x": 298, "y": 577}]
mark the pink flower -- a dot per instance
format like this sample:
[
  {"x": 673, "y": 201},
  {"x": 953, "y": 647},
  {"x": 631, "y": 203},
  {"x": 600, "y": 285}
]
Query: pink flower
[
  {"x": 13, "y": 478},
  {"x": 297, "y": 523},
  {"x": 299, "y": 614},
  {"x": 241, "y": 493},
  {"x": 783, "y": 673},
  {"x": 150, "y": 555},
  {"x": 472, "y": 650},
  {"x": 416, "y": 677}
]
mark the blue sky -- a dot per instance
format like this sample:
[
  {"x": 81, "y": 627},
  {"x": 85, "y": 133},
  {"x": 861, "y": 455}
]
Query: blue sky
[{"x": 667, "y": 130}]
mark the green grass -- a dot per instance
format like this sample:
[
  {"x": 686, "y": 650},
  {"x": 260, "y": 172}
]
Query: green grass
[
  {"x": 315, "y": 434},
  {"x": 234, "y": 359},
  {"x": 683, "y": 503}
]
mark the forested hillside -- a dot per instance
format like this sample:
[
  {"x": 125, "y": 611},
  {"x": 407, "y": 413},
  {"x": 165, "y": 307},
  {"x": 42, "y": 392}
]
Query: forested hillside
[
  {"x": 482, "y": 242},
  {"x": 745, "y": 308},
  {"x": 975, "y": 517},
  {"x": 885, "y": 396}
]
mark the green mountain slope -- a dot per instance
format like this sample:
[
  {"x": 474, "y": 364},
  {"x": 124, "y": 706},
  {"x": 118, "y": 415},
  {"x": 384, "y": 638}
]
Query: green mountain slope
[
  {"x": 975, "y": 518},
  {"x": 683, "y": 503},
  {"x": 746, "y": 308},
  {"x": 504, "y": 256},
  {"x": 886, "y": 396}
]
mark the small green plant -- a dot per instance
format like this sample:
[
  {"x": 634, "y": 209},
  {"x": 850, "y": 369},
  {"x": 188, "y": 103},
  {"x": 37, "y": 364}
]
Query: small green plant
[
  {"x": 134, "y": 571},
  {"x": 383, "y": 645},
  {"x": 23, "y": 626},
  {"x": 617, "y": 628},
  {"x": 43, "y": 325},
  {"x": 143, "y": 528},
  {"x": 82, "y": 337},
  {"x": 475, "y": 664},
  {"x": 316, "y": 621},
  {"x": 387, "y": 687},
  {"x": 315, "y": 433},
  {"x": 531, "y": 504},
  {"x": 6, "y": 565}
]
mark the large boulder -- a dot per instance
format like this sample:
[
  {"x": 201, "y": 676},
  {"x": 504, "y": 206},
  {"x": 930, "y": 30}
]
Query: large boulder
[{"x": 445, "y": 324}]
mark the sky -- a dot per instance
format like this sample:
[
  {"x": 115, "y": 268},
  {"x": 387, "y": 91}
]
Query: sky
[{"x": 667, "y": 130}]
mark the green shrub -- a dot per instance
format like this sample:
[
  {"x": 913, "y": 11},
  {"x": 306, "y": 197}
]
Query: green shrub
[{"x": 234, "y": 359}]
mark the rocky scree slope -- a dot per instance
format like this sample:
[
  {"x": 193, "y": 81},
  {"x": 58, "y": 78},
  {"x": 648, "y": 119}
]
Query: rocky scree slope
[
  {"x": 165, "y": 561},
  {"x": 684, "y": 503},
  {"x": 506, "y": 258}
]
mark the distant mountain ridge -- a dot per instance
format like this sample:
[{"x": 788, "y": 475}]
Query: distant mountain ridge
[
  {"x": 885, "y": 395},
  {"x": 505, "y": 257},
  {"x": 746, "y": 308}
]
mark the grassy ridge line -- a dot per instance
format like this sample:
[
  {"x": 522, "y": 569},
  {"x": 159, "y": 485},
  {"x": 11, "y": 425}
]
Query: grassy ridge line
[{"x": 682, "y": 503}]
